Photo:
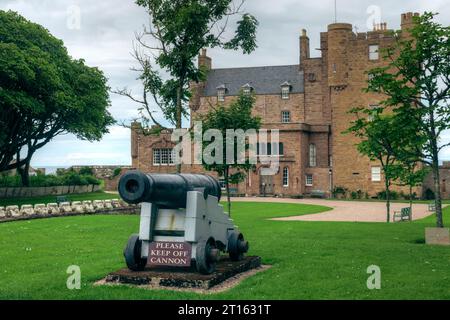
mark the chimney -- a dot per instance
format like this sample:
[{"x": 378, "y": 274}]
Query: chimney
[
  {"x": 407, "y": 20},
  {"x": 204, "y": 60},
  {"x": 380, "y": 26},
  {"x": 304, "y": 46}
]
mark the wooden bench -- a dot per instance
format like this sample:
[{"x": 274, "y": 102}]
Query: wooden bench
[
  {"x": 318, "y": 194},
  {"x": 432, "y": 207},
  {"x": 403, "y": 215}
]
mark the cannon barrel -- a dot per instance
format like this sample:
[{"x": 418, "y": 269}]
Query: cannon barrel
[{"x": 165, "y": 190}]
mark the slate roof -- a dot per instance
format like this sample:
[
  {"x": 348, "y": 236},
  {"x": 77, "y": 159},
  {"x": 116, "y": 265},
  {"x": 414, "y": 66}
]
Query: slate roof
[{"x": 264, "y": 80}]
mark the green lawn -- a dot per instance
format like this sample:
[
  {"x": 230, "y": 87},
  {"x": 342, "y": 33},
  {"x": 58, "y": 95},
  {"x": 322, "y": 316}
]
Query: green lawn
[
  {"x": 49, "y": 199},
  {"x": 311, "y": 260}
]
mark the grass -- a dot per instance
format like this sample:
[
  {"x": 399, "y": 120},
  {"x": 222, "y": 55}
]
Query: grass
[
  {"x": 311, "y": 260},
  {"x": 100, "y": 195}
]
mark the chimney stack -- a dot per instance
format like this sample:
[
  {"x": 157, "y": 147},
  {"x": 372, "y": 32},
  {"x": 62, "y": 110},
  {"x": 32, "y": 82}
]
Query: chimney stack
[
  {"x": 204, "y": 60},
  {"x": 304, "y": 46}
]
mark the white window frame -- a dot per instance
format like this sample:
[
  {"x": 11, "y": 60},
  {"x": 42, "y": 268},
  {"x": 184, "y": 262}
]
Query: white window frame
[
  {"x": 247, "y": 90},
  {"x": 156, "y": 157},
  {"x": 309, "y": 180},
  {"x": 312, "y": 155},
  {"x": 374, "y": 52},
  {"x": 376, "y": 174},
  {"x": 285, "y": 92},
  {"x": 285, "y": 116},
  {"x": 221, "y": 95},
  {"x": 286, "y": 177},
  {"x": 163, "y": 157}
]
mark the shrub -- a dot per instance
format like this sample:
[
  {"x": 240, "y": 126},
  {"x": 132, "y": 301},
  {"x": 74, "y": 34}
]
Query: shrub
[
  {"x": 393, "y": 195},
  {"x": 339, "y": 191},
  {"x": 117, "y": 172},
  {"x": 70, "y": 178}
]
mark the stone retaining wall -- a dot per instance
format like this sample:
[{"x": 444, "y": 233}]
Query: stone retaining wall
[
  {"x": 27, "y": 212},
  {"x": 45, "y": 191}
]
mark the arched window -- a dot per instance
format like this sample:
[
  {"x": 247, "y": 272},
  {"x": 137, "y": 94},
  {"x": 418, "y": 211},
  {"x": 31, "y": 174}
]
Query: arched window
[
  {"x": 312, "y": 155},
  {"x": 286, "y": 177}
]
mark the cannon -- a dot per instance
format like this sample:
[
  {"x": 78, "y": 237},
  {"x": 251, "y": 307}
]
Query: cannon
[{"x": 182, "y": 223}]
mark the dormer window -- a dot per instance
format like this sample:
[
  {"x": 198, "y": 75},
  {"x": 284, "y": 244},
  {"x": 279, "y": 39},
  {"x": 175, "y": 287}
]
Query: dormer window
[
  {"x": 285, "y": 90},
  {"x": 247, "y": 89},
  {"x": 221, "y": 91}
]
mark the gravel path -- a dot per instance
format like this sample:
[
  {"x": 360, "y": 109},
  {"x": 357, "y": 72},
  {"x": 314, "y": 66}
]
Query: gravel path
[{"x": 353, "y": 211}]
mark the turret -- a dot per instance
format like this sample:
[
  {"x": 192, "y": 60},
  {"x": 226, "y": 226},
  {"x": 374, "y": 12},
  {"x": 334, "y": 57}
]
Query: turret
[
  {"x": 407, "y": 21},
  {"x": 339, "y": 35}
]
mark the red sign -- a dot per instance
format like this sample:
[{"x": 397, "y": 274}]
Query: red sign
[{"x": 173, "y": 254}]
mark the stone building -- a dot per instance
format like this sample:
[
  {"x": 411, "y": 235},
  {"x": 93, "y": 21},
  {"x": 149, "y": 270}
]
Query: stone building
[
  {"x": 308, "y": 102},
  {"x": 444, "y": 173}
]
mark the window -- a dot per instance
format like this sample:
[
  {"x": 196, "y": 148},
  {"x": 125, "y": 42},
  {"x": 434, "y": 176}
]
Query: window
[
  {"x": 376, "y": 174},
  {"x": 247, "y": 89},
  {"x": 286, "y": 177},
  {"x": 163, "y": 157},
  {"x": 309, "y": 180},
  {"x": 222, "y": 183},
  {"x": 221, "y": 95},
  {"x": 221, "y": 91},
  {"x": 285, "y": 90},
  {"x": 374, "y": 52},
  {"x": 286, "y": 117},
  {"x": 312, "y": 155},
  {"x": 270, "y": 149}
]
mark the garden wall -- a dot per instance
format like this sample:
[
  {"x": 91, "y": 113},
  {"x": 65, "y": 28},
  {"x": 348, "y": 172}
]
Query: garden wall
[
  {"x": 39, "y": 211},
  {"x": 45, "y": 191}
]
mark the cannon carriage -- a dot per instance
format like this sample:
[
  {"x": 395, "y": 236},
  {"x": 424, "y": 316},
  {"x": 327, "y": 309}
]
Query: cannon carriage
[{"x": 182, "y": 222}]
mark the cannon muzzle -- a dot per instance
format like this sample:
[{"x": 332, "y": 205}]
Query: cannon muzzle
[{"x": 165, "y": 190}]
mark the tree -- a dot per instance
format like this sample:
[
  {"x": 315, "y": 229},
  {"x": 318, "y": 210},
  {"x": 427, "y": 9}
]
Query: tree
[
  {"x": 236, "y": 116},
  {"x": 178, "y": 30},
  {"x": 44, "y": 93},
  {"x": 416, "y": 83},
  {"x": 380, "y": 137},
  {"x": 410, "y": 173}
]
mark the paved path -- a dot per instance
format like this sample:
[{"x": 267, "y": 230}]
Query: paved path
[{"x": 353, "y": 211}]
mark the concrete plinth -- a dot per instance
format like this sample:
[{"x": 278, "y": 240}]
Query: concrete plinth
[
  {"x": 184, "y": 277},
  {"x": 437, "y": 236}
]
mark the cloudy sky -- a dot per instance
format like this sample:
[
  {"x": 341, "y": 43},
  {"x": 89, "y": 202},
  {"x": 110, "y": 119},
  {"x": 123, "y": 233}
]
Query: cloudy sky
[{"x": 101, "y": 32}]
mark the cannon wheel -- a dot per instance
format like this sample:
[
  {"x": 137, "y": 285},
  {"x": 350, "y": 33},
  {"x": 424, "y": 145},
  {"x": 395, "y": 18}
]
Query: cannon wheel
[
  {"x": 132, "y": 254},
  {"x": 237, "y": 246},
  {"x": 206, "y": 256}
]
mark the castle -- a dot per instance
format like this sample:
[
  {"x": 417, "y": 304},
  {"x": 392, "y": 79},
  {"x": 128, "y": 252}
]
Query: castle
[{"x": 307, "y": 102}]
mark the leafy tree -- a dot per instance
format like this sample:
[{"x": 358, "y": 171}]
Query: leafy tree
[
  {"x": 236, "y": 116},
  {"x": 416, "y": 83},
  {"x": 410, "y": 173},
  {"x": 44, "y": 93},
  {"x": 88, "y": 171},
  {"x": 166, "y": 50},
  {"x": 380, "y": 137}
]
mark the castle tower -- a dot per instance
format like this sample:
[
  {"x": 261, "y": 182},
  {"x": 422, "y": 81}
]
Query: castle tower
[
  {"x": 339, "y": 35},
  {"x": 407, "y": 20}
]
